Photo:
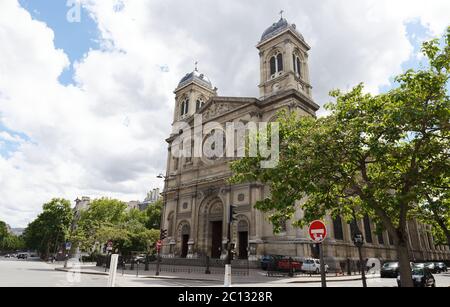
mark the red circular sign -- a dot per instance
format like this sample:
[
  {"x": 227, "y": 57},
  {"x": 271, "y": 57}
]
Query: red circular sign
[{"x": 318, "y": 231}]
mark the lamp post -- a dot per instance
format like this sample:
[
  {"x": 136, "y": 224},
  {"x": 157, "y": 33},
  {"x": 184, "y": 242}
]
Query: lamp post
[
  {"x": 358, "y": 239},
  {"x": 163, "y": 233}
]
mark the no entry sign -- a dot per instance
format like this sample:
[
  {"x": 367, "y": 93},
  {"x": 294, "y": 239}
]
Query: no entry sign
[{"x": 317, "y": 231}]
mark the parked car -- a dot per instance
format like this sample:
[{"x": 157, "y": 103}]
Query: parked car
[
  {"x": 22, "y": 256},
  {"x": 422, "y": 277},
  {"x": 139, "y": 259},
  {"x": 287, "y": 264},
  {"x": 7, "y": 256},
  {"x": 441, "y": 267},
  {"x": 270, "y": 261},
  {"x": 432, "y": 267},
  {"x": 313, "y": 266},
  {"x": 389, "y": 270}
]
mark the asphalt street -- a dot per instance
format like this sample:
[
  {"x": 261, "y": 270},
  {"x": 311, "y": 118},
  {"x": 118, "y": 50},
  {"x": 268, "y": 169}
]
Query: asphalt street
[{"x": 21, "y": 273}]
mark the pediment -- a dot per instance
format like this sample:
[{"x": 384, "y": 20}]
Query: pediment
[{"x": 216, "y": 107}]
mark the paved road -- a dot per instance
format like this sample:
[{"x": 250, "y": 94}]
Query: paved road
[{"x": 20, "y": 273}]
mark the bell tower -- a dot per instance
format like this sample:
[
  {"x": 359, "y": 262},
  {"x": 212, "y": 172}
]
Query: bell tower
[
  {"x": 193, "y": 91},
  {"x": 283, "y": 60}
]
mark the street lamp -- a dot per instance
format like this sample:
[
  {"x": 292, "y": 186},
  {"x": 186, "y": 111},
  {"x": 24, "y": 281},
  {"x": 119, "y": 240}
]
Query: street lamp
[
  {"x": 358, "y": 239},
  {"x": 163, "y": 233}
]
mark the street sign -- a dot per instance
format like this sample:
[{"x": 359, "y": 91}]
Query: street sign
[
  {"x": 68, "y": 246},
  {"x": 109, "y": 246},
  {"x": 317, "y": 231}
]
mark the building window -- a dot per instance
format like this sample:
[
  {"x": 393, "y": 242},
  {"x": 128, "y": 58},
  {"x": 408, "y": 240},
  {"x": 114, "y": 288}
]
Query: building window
[
  {"x": 273, "y": 66},
  {"x": 353, "y": 228},
  {"x": 241, "y": 197},
  {"x": 297, "y": 65},
  {"x": 279, "y": 62},
  {"x": 184, "y": 109},
  {"x": 367, "y": 229},
  {"x": 391, "y": 239},
  {"x": 185, "y": 206},
  {"x": 276, "y": 64},
  {"x": 283, "y": 226},
  {"x": 200, "y": 103},
  {"x": 380, "y": 238},
  {"x": 337, "y": 228}
]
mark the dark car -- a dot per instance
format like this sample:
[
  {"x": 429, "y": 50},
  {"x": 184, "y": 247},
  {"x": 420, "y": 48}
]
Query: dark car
[
  {"x": 389, "y": 270},
  {"x": 422, "y": 278},
  {"x": 270, "y": 261},
  {"x": 441, "y": 267},
  {"x": 22, "y": 256}
]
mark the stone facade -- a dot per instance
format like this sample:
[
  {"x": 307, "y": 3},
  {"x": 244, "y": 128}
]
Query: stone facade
[{"x": 197, "y": 196}]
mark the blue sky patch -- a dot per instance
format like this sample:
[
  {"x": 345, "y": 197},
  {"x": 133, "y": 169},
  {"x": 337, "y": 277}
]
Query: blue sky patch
[
  {"x": 75, "y": 38},
  {"x": 7, "y": 145}
]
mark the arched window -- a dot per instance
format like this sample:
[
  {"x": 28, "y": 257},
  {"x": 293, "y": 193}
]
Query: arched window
[
  {"x": 280, "y": 62},
  {"x": 273, "y": 66},
  {"x": 297, "y": 65},
  {"x": 283, "y": 226},
  {"x": 184, "y": 109},
  {"x": 367, "y": 229},
  {"x": 337, "y": 227},
  {"x": 199, "y": 104},
  {"x": 380, "y": 238},
  {"x": 276, "y": 64}
]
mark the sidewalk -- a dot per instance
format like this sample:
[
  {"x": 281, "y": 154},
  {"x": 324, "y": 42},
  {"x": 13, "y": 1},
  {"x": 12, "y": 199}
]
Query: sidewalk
[{"x": 255, "y": 276}]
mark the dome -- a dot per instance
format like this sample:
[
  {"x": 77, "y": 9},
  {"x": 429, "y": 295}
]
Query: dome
[
  {"x": 279, "y": 27},
  {"x": 196, "y": 76}
]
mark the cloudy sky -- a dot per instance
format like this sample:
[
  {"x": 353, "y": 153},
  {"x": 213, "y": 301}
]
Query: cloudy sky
[{"x": 85, "y": 105}]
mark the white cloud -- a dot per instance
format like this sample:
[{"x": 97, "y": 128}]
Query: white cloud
[{"x": 105, "y": 136}]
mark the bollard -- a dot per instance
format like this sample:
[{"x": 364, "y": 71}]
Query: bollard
[
  {"x": 113, "y": 270},
  {"x": 227, "y": 281}
]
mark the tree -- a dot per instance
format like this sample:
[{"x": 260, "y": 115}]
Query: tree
[
  {"x": 3, "y": 230},
  {"x": 378, "y": 155},
  {"x": 153, "y": 213},
  {"x": 50, "y": 228},
  {"x": 12, "y": 243},
  {"x": 435, "y": 210},
  {"x": 103, "y": 212}
]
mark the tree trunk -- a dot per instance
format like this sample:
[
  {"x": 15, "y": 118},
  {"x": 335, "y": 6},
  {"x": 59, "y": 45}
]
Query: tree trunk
[{"x": 404, "y": 263}]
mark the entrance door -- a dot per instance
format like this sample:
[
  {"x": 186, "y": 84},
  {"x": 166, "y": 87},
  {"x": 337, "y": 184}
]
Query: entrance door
[
  {"x": 216, "y": 240},
  {"x": 184, "y": 246},
  {"x": 243, "y": 245}
]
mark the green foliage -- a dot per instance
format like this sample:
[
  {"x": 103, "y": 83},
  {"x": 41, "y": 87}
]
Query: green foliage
[
  {"x": 9, "y": 242},
  {"x": 3, "y": 230},
  {"x": 50, "y": 228},
  {"x": 108, "y": 219},
  {"x": 377, "y": 155},
  {"x": 153, "y": 215}
]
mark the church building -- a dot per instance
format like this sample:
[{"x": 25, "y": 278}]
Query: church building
[{"x": 197, "y": 196}]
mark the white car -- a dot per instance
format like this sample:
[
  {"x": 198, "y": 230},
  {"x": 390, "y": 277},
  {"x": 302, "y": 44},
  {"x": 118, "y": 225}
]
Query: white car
[{"x": 313, "y": 266}]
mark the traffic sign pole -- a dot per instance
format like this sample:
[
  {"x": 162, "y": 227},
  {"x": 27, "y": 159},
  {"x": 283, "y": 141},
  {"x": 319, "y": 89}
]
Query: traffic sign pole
[
  {"x": 318, "y": 233},
  {"x": 323, "y": 277}
]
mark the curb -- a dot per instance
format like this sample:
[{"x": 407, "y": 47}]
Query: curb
[
  {"x": 330, "y": 280},
  {"x": 203, "y": 280},
  {"x": 180, "y": 278},
  {"x": 128, "y": 275},
  {"x": 81, "y": 272}
]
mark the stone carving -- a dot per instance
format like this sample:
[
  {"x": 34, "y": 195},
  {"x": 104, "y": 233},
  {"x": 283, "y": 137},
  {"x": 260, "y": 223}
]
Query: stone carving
[{"x": 216, "y": 109}]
